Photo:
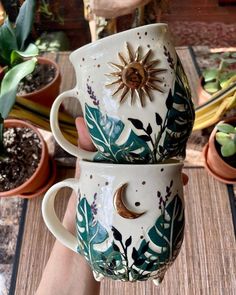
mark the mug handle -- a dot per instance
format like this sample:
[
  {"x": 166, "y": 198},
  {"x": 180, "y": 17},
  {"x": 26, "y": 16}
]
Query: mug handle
[
  {"x": 54, "y": 123},
  {"x": 50, "y": 218}
]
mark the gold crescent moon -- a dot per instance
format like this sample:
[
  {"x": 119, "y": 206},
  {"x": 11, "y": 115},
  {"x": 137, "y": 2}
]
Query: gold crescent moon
[{"x": 120, "y": 206}]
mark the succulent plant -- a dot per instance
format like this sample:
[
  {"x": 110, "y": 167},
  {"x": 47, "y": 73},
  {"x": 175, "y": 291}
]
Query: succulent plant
[
  {"x": 215, "y": 78},
  {"x": 226, "y": 137}
]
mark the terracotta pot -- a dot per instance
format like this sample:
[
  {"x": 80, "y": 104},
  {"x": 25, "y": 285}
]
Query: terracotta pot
[
  {"x": 47, "y": 94},
  {"x": 43, "y": 175},
  {"x": 214, "y": 164},
  {"x": 203, "y": 95}
]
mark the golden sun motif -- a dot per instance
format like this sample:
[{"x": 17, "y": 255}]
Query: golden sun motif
[{"x": 136, "y": 75}]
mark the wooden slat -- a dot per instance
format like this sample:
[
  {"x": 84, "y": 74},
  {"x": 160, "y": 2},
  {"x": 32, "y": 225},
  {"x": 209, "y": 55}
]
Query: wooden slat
[
  {"x": 206, "y": 264},
  {"x": 190, "y": 70}
]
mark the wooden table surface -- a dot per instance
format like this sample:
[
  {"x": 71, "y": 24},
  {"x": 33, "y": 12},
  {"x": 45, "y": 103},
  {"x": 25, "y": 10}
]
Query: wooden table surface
[{"x": 207, "y": 261}]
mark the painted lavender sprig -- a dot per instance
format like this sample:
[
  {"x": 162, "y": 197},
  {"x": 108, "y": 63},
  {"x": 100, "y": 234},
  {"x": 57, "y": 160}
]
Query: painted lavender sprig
[
  {"x": 92, "y": 95},
  {"x": 169, "y": 58},
  {"x": 164, "y": 199}
]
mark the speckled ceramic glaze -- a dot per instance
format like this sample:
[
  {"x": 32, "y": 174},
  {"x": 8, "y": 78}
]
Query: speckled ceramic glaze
[
  {"x": 130, "y": 218},
  {"x": 135, "y": 98}
]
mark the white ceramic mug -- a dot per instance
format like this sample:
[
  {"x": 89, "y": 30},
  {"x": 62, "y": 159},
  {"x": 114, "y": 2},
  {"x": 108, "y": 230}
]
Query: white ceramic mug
[
  {"x": 134, "y": 95},
  {"x": 130, "y": 218}
]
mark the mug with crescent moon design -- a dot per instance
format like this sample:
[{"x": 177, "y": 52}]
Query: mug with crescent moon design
[
  {"x": 134, "y": 95},
  {"x": 129, "y": 221}
]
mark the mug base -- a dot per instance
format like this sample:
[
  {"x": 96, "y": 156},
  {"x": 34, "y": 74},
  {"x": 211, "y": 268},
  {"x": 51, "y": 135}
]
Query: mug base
[
  {"x": 98, "y": 277},
  {"x": 158, "y": 280}
]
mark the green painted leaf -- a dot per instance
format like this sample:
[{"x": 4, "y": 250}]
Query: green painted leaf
[
  {"x": 179, "y": 118},
  {"x": 105, "y": 131},
  {"x": 91, "y": 233},
  {"x": 167, "y": 234}
]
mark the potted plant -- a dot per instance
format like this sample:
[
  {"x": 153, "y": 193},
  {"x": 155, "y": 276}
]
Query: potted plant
[
  {"x": 26, "y": 167},
  {"x": 20, "y": 142},
  {"x": 43, "y": 82},
  {"x": 217, "y": 77},
  {"x": 220, "y": 152}
]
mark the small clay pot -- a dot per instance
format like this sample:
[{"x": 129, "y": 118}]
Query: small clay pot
[
  {"x": 43, "y": 175},
  {"x": 203, "y": 95},
  {"x": 214, "y": 163},
  {"x": 47, "y": 94}
]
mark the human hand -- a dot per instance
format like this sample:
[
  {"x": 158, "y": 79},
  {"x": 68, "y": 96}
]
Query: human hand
[
  {"x": 67, "y": 272},
  {"x": 113, "y": 9},
  {"x": 85, "y": 143}
]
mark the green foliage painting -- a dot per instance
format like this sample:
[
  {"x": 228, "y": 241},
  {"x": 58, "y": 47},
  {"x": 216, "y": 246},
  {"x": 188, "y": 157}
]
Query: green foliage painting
[{"x": 116, "y": 257}]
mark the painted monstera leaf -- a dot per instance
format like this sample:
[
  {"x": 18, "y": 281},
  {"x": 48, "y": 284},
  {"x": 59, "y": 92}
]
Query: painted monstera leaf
[
  {"x": 105, "y": 131},
  {"x": 182, "y": 79},
  {"x": 91, "y": 234},
  {"x": 89, "y": 231},
  {"x": 180, "y": 117},
  {"x": 166, "y": 235}
]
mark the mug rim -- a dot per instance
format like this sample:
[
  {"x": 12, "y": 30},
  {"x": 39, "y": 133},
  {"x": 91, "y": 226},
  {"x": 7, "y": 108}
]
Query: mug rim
[
  {"x": 108, "y": 38},
  {"x": 167, "y": 163}
]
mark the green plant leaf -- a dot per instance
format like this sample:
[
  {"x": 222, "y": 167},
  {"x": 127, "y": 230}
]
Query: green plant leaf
[
  {"x": 212, "y": 87},
  {"x": 222, "y": 138},
  {"x": 228, "y": 149},
  {"x": 24, "y": 22},
  {"x": 8, "y": 41},
  {"x": 225, "y": 54},
  {"x": 233, "y": 54},
  {"x": 10, "y": 83},
  {"x": 230, "y": 60},
  {"x": 225, "y": 127},
  {"x": 210, "y": 75},
  {"x": 215, "y": 56},
  {"x": 1, "y": 136},
  {"x": 224, "y": 77},
  {"x": 31, "y": 50}
]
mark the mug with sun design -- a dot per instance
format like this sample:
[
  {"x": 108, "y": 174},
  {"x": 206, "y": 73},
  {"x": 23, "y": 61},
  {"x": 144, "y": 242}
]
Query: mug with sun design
[
  {"x": 129, "y": 218},
  {"x": 134, "y": 95}
]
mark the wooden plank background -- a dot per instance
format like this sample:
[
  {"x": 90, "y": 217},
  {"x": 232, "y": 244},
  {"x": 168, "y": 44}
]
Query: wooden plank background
[{"x": 207, "y": 261}]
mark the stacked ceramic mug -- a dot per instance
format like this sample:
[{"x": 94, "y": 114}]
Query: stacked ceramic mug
[{"x": 137, "y": 106}]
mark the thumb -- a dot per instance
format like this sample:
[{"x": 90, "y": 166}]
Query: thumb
[{"x": 84, "y": 140}]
